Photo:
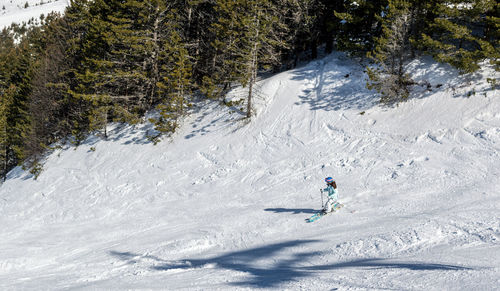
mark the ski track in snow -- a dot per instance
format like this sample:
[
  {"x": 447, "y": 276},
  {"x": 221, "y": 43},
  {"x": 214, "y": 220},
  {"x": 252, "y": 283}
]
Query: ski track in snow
[{"x": 222, "y": 204}]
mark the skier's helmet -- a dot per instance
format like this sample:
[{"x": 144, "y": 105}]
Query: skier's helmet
[{"x": 328, "y": 180}]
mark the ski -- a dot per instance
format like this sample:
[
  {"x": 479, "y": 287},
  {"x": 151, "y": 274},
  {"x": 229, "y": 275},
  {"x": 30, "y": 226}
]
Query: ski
[
  {"x": 320, "y": 214},
  {"x": 316, "y": 216}
]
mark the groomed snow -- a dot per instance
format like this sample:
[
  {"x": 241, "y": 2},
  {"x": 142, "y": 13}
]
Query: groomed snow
[{"x": 222, "y": 205}]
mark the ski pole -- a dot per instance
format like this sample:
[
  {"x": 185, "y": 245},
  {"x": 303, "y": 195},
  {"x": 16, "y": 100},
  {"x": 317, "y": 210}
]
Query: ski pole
[{"x": 322, "y": 205}]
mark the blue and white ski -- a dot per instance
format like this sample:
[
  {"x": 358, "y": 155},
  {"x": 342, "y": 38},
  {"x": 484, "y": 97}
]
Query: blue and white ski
[{"x": 320, "y": 214}]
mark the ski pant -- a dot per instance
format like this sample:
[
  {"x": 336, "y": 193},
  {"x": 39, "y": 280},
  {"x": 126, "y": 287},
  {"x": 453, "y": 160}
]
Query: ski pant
[{"x": 329, "y": 204}]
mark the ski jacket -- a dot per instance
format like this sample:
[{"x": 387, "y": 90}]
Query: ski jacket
[{"x": 332, "y": 192}]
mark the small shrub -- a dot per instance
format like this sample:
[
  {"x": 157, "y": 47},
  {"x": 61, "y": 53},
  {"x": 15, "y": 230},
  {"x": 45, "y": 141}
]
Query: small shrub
[
  {"x": 233, "y": 103},
  {"x": 493, "y": 83},
  {"x": 36, "y": 170}
]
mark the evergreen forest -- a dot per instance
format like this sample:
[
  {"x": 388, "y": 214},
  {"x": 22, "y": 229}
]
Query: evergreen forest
[{"x": 115, "y": 60}]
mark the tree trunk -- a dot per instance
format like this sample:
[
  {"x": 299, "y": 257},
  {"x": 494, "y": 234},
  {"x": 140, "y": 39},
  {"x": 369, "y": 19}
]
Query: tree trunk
[
  {"x": 249, "y": 102},
  {"x": 5, "y": 166},
  {"x": 154, "y": 58},
  {"x": 105, "y": 119},
  {"x": 253, "y": 77},
  {"x": 329, "y": 42},
  {"x": 314, "y": 49},
  {"x": 253, "y": 65}
]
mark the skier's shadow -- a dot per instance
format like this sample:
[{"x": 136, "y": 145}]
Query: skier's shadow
[{"x": 292, "y": 210}]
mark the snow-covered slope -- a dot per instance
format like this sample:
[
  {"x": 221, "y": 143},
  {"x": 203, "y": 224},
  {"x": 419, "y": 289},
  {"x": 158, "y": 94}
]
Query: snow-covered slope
[
  {"x": 222, "y": 205},
  {"x": 19, "y": 11}
]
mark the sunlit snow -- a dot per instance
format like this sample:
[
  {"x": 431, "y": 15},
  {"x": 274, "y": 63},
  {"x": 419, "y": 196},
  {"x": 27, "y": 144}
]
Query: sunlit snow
[{"x": 222, "y": 205}]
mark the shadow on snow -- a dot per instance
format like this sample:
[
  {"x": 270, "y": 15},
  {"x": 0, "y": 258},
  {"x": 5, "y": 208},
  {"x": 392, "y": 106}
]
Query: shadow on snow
[
  {"x": 335, "y": 84},
  {"x": 292, "y": 210},
  {"x": 272, "y": 265},
  {"x": 202, "y": 125},
  {"x": 338, "y": 83}
]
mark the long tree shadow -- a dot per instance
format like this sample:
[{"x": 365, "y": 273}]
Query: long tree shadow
[
  {"x": 378, "y": 263},
  {"x": 338, "y": 82},
  {"x": 275, "y": 264},
  {"x": 208, "y": 122},
  {"x": 335, "y": 85}
]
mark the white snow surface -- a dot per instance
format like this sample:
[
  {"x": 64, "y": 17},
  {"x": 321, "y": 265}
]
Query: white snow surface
[
  {"x": 14, "y": 11},
  {"x": 222, "y": 205}
]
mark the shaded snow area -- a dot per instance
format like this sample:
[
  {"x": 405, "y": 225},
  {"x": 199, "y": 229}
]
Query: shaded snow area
[
  {"x": 222, "y": 205},
  {"x": 19, "y": 11}
]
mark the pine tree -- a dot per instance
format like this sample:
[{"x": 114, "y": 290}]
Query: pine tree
[
  {"x": 9, "y": 115},
  {"x": 390, "y": 53},
  {"x": 175, "y": 88},
  {"x": 299, "y": 19},
  {"x": 123, "y": 59},
  {"x": 456, "y": 35},
  {"x": 7, "y": 54},
  {"x": 95, "y": 77},
  {"x": 492, "y": 35},
  {"x": 71, "y": 86},
  {"x": 359, "y": 23},
  {"x": 225, "y": 41},
  {"x": 102, "y": 79},
  {"x": 15, "y": 91},
  {"x": 5, "y": 104},
  {"x": 18, "y": 118},
  {"x": 248, "y": 35},
  {"x": 194, "y": 17},
  {"x": 260, "y": 42},
  {"x": 46, "y": 101},
  {"x": 173, "y": 67}
]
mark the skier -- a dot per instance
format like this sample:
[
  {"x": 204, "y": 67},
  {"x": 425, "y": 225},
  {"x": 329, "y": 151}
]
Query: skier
[{"x": 332, "y": 194}]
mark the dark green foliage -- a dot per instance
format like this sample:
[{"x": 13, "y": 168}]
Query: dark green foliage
[
  {"x": 15, "y": 88},
  {"x": 358, "y": 23},
  {"x": 390, "y": 53},
  {"x": 5, "y": 104},
  {"x": 492, "y": 35},
  {"x": 300, "y": 22},
  {"x": 174, "y": 85},
  {"x": 462, "y": 34},
  {"x": 114, "y": 60},
  {"x": 248, "y": 34},
  {"x": 47, "y": 106}
]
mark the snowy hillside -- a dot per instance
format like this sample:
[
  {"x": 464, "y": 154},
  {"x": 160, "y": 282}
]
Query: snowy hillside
[
  {"x": 222, "y": 205},
  {"x": 19, "y": 11}
]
